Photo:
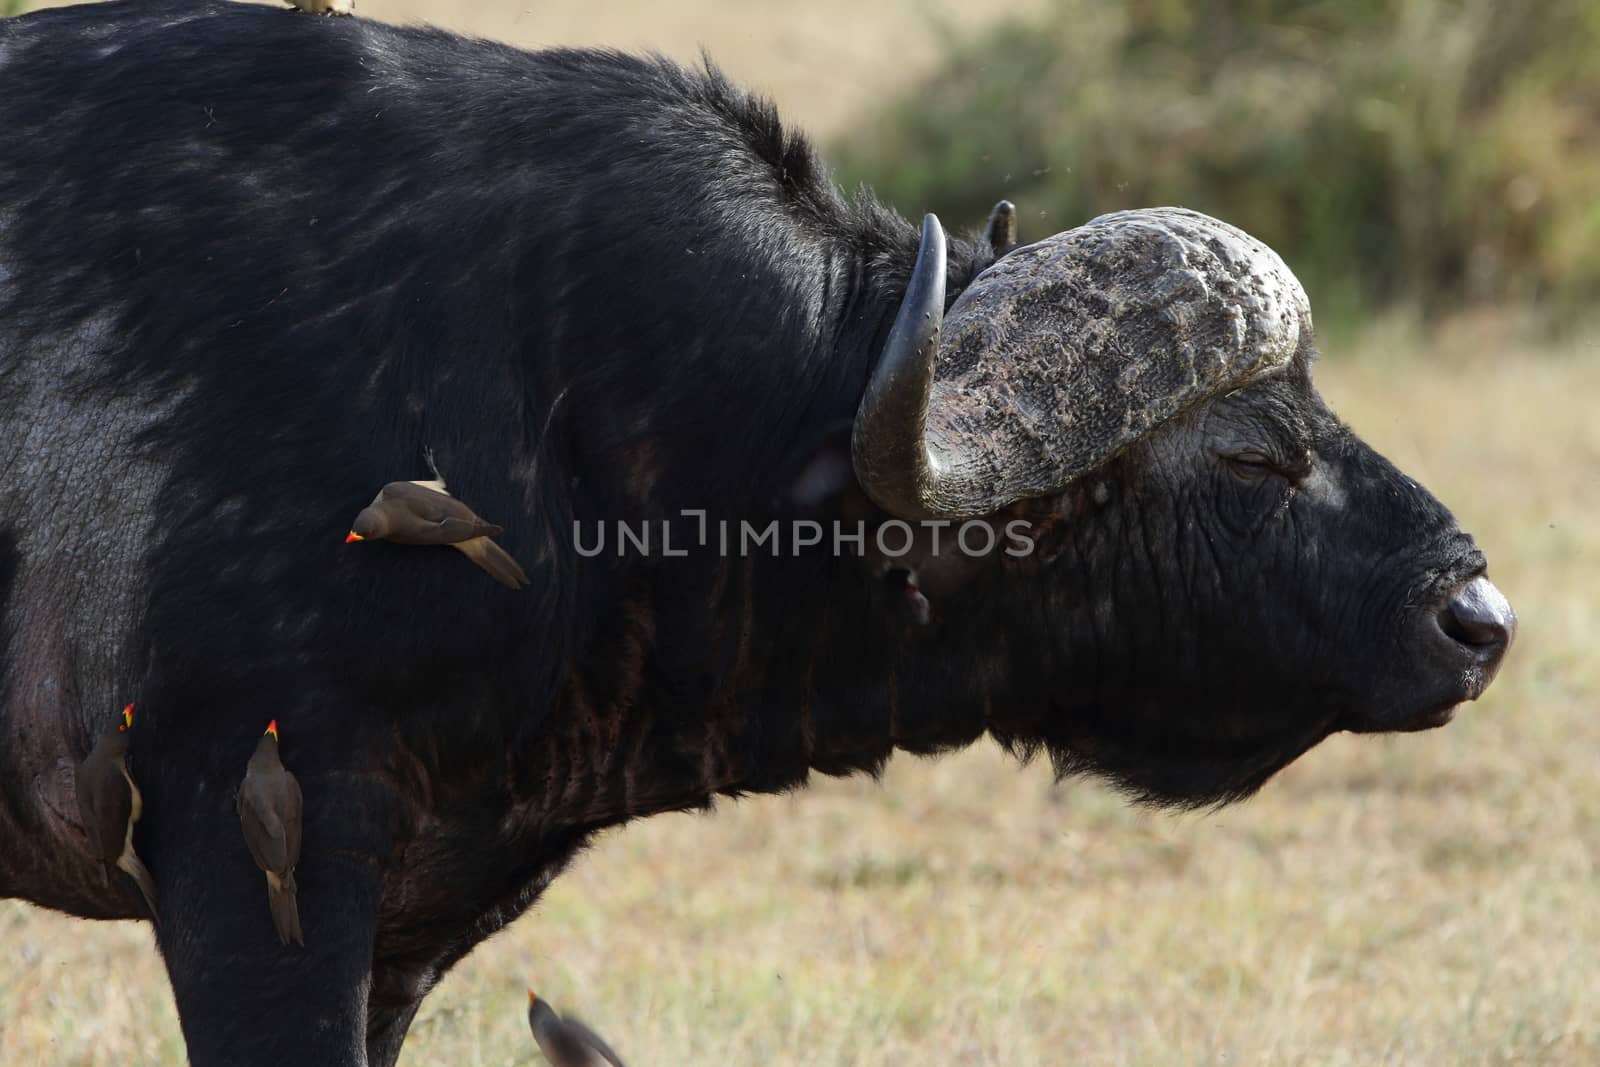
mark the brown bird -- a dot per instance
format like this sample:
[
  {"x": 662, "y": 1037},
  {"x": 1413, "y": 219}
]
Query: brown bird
[
  {"x": 326, "y": 7},
  {"x": 109, "y": 804},
  {"x": 269, "y": 813},
  {"x": 566, "y": 1042},
  {"x": 424, "y": 513}
]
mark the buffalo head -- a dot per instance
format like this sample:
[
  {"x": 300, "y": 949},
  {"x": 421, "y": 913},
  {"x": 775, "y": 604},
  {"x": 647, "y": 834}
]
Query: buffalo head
[{"x": 1225, "y": 573}]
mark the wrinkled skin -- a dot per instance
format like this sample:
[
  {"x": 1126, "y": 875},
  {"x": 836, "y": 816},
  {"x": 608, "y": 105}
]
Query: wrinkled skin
[
  {"x": 253, "y": 263},
  {"x": 1257, "y": 531}
]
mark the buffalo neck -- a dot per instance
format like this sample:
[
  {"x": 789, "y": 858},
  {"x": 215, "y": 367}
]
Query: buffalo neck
[
  {"x": 787, "y": 667},
  {"x": 732, "y": 671}
]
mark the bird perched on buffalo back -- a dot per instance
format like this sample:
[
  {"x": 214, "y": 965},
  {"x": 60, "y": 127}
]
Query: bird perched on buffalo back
[
  {"x": 424, "y": 513},
  {"x": 269, "y": 812},
  {"x": 566, "y": 1042},
  {"x": 109, "y": 804}
]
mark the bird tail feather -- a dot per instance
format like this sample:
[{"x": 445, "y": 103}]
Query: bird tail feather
[
  {"x": 130, "y": 862},
  {"x": 283, "y": 901}
]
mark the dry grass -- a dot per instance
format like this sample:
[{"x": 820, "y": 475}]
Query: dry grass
[{"x": 1427, "y": 899}]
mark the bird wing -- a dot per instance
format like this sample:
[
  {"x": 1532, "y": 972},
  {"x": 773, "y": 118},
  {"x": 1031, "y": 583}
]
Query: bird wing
[
  {"x": 561, "y": 1046},
  {"x": 454, "y": 528},
  {"x": 593, "y": 1040},
  {"x": 263, "y": 827},
  {"x": 429, "y": 504},
  {"x": 557, "y": 1044},
  {"x": 415, "y": 497},
  {"x": 293, "y": 809},
  {"x": 105, "y": 804},
  {"x": 495, "y": 560}
]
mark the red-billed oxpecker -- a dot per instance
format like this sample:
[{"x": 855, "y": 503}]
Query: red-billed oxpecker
[
  {"x": 424, "y": 513},
  {"x": 109, "y": 804},
  {"x": 566, "y": 1042},
  {"x": 269, "y": 812}
]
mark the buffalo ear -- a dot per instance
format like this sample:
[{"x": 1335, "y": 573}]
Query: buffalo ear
[
  {"x": 1001, "y": 230},
  {"x": 820, "y": 472}
]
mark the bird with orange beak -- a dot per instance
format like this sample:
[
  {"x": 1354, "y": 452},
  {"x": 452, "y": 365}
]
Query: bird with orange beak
[
  {"x": 424, "y": 513},
  {"x": 566, "y": 1042},
  {"x": 269, "y": 807},
  {"x": 109, "y": 804}
]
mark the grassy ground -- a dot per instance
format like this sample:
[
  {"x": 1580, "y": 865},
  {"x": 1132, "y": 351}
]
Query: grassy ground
[{"x": 1428, "y": 899}]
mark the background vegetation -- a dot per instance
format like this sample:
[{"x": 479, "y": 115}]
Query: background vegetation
[
  {"x": 1427, "y": 899},
  {"x": 1437, "y": 152}
]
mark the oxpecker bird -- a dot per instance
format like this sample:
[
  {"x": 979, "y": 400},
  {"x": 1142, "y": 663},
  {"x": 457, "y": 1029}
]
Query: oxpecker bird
[
  {"x": 269, "y": 813},
  {"x": 424, "y": 513},
  {"x": 566, "y": 1042},
  {"x": 109, "y": 804}
]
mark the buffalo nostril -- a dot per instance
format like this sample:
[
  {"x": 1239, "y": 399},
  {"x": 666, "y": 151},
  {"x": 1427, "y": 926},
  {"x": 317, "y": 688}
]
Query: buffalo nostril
[{"x": 1479, "y": 615}]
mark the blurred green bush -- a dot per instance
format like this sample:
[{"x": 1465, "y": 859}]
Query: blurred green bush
[{"x": 1430, "y": 151}]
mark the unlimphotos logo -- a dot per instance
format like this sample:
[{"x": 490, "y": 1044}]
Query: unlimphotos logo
[{"x": 893, "y": 539}]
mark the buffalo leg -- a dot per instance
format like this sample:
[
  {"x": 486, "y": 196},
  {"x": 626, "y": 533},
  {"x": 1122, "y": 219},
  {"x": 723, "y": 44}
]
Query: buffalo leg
[
  {"x": 387, "y": 1032},
  {"x": 401, "y": 981},
  {"x": 243, "y": 998},
  {"x": 396, "y": 995}
]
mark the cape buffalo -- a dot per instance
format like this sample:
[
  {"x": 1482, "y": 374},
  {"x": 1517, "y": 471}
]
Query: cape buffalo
[{"x": 254, "y": 265}]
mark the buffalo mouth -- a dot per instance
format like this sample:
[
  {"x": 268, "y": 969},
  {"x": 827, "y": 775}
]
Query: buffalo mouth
[{"x": 1460, "y": 644}]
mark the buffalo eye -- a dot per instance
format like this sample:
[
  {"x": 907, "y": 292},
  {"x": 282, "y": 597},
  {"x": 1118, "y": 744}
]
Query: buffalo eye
[{"x": 1253, "y": 465}]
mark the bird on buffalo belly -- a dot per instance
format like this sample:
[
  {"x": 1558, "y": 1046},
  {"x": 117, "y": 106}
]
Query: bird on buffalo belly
[
  {"x": 424, "y": 513},
  {"x": 109, "y": 804},
  {"x": 269, "y": 813},
  {"x": 566, "y": 1042}
]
